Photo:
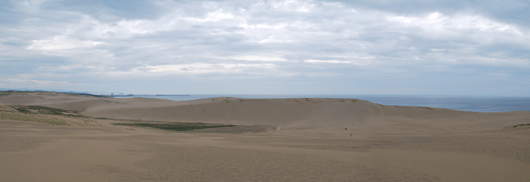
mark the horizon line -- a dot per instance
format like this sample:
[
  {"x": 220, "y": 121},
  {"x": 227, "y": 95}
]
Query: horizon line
[{"x": 121, "y": 94}]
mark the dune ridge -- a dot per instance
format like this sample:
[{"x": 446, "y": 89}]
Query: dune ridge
[
  {"x": 322, "y": 115},
  {"x": 338, "y": 116}
]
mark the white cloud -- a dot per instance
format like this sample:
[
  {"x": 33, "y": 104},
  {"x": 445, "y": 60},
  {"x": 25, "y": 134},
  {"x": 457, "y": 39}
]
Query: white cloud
[
  {"x": 479, "y": 60},
  {"x": 15, "y": 81},
  {"x": 26, "y": 81},
  {"x": 262, "y": 26},
  {"x": 128, "y": 28},
  {"x": 42, "y": 82},
  {"x": 295, "y": 37},
  {"x": 72, "y": 67},
  {"x": 193, "y": 68},
  {"x": 343, "y": 26},
  {"x": 321, "y": 75},
  {"x": 442, "y": 23},
  {"x": 292, "y": 5},
  {"x": 437, "y": 50},
  {"x": 272, "y": 39},
  {"x": 326, "y": 61},
  {"x": 258, "y": 58},
  {"x": 213, "y": 16},
  {"x": 199, "y": 68},
  {"x": 302, "y": 9},
  {"x": 60, "y": 43},
  {"x": 358, "y": 60}
]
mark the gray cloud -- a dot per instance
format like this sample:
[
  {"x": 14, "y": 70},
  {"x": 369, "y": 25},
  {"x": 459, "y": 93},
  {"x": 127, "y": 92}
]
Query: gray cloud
[{"x": 304, "y": 43}]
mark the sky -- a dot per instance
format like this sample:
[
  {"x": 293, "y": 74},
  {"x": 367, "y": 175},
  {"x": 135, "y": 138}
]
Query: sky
[{"x": 386, "y": 47}]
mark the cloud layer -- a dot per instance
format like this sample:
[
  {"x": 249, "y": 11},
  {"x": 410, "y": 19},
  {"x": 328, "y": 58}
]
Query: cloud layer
[{"x": 276, "y": 47}]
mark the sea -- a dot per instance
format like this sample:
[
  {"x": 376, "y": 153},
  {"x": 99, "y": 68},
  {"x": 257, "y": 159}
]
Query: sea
[{"x": 462, "y": 103}]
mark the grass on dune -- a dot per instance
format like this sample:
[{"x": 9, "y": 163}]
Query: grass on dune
[
  {"x": 32, "y": 117},
  {"x": 44, "y": 110},
  {"x": 174, "y": 126},
  {"x": 41, "y": 114},
  {"x": 56, "y": 116},
  {"x": 520, "y": 126}
]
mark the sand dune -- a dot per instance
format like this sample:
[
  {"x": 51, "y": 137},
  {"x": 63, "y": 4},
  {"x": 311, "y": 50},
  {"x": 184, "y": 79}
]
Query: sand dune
[
  {"x": 321, "y": 115},
  {"x": 330, "y": 116},
  {"x": 310, "y": 143},
  {"x": 282, "y": 112},
  {"x": 19, "y": 100},
  {"x": 81, "y": 105}
]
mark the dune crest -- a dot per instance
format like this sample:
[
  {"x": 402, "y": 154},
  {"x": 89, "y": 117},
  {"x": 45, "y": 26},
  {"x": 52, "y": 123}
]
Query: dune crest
[
  {"x": 312, "y": 115},
  {"x": 339, "y": 116}
]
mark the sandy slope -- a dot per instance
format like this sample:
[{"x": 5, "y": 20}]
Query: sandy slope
[
  {"x": 310, "y": 144},
  {"x": 331, "y": 116}
]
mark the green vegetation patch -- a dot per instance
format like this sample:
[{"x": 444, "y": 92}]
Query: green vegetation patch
[
  {"x": 520, "y": 126},
  {"x": 44, "y": 110},
  {"x": 31, "y": 117},
  {"x": 174, "y": 126}
]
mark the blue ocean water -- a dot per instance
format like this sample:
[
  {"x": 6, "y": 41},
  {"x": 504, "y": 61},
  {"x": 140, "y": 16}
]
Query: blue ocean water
[{"x": 463, "y": 103}]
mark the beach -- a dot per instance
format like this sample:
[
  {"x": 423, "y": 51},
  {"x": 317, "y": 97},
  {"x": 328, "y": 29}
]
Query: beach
[{"x": 302, "y": 139}]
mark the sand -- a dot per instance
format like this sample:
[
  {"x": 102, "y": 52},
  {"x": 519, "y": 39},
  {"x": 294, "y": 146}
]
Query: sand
[{"x": 308, "y": 140}]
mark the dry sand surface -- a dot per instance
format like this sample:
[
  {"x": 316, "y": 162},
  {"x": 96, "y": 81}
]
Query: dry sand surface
[{"x": 299, "y": 140}]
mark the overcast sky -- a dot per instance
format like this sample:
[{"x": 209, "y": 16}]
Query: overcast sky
[{"x": 428, "y": 47}]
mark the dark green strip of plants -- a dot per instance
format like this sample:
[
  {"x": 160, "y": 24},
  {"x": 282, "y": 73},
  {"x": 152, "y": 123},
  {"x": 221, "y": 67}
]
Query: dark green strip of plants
[
  {"x": 175, "y": 126},
  {"x": 44, "y": 110},
  {"x": 521, "y": 125}
]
